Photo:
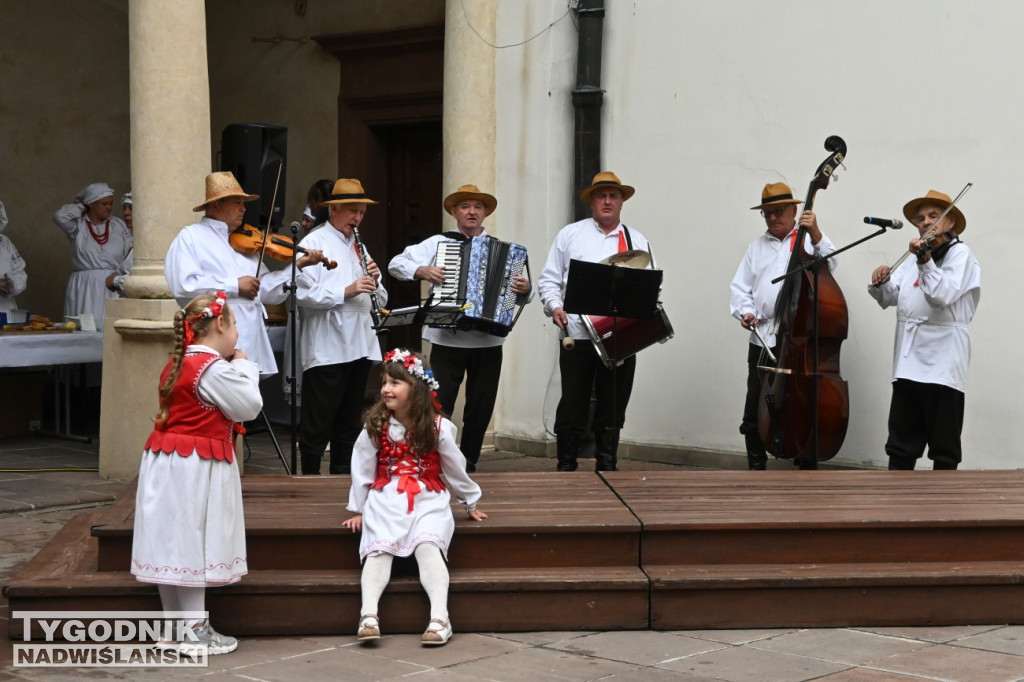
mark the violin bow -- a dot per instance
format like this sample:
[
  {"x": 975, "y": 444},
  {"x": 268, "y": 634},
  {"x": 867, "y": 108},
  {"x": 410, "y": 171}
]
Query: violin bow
[{"x": 270, "y": 216}]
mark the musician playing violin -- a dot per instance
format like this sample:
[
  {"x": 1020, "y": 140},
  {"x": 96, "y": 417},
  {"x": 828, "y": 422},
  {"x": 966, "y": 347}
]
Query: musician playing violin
[
  {"x": 456, "y": 354},
  {"x": 201, "y": 260},
  {"x": 582, "y": 371},
  {"x": 935, "y": 300},
  {"x": 338, "y": 343},
  {"x": 753, "y": 296}
]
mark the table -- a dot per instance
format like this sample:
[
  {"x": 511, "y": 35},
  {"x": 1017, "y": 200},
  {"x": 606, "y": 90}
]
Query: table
[{"x": 25, "y": 349}]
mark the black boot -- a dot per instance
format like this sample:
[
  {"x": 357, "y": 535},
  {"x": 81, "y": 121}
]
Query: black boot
[
  {"x": 606, "y": 446},
  {"x": 757, "y": 458},
  {"x": 568, "y": 450},
  {"x": 900, "y": 463}
]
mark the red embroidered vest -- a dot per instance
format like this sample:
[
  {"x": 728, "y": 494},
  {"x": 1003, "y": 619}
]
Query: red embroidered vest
[
  {"x": 193, "y": 425},
  {"x": 395, "y": 459}
]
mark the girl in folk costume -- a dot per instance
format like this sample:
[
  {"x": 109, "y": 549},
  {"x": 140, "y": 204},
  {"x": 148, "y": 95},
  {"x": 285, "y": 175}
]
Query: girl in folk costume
[
  {"x": 189, "y": 528},
  {"x": 402, "y": 507},
  {"x": 101, "y": 251}
]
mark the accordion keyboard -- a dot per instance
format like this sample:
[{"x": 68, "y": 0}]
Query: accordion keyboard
[{"x": 449, "y": 257}]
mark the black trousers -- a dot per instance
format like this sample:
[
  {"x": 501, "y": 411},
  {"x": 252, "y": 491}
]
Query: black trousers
[
  {"x": 582, "y": 374},
  {"x": 757, "y": 456},
  {"x": 924, "y": 415},
  {"x": 481, "y": 367},
  {"x": 332, "y": 407}
]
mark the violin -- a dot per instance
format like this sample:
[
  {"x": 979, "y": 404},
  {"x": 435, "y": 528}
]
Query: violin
[
  {"x": 249, "y": 240},
  {"x": 933, "y": 243}
]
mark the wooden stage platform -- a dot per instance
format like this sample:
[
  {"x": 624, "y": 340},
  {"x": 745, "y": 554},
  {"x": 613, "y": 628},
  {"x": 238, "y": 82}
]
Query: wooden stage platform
[{"x": 621, "y": 550}]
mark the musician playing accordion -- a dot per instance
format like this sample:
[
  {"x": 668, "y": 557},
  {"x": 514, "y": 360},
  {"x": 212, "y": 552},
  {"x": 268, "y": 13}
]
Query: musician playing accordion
[
  {"x": 582, "y": 370},
  {"x": 456, "y": 353}
]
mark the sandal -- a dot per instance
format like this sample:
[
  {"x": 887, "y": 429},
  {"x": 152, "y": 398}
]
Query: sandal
[
  {"x": 369, "y": 627},
  {"x": 438, "y": 632}
]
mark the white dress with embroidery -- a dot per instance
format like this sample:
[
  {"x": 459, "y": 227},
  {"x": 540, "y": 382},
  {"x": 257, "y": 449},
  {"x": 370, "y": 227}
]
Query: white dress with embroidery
[{"x": 388, "y": 526}]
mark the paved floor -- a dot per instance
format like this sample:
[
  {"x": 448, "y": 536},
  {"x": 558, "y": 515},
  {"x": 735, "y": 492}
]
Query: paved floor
[{"x": 39, "y": 492}]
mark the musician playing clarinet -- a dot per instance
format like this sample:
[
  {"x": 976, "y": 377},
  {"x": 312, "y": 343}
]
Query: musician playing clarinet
[
  {"x": 753, "y": 296},
  {"x": 935, "y": 300},
  {"x": 338, "y": 343},
  {"x": 582, "y": 370},
  {"x": 456, "y": 354}
]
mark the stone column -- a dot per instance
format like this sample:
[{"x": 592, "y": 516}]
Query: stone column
[
  {"x": 170, "y": 154},
  {"x": 468, "y": 127},
  {"x": 469, "y": 105}
]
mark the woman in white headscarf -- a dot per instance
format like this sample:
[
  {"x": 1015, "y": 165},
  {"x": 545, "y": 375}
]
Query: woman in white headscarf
[
  {"x": 12, "y": 269},
  {"x": 101, "y": 251}
]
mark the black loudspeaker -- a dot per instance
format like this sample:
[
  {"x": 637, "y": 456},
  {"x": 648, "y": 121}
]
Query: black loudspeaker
[{"x": 253, "y": 152}]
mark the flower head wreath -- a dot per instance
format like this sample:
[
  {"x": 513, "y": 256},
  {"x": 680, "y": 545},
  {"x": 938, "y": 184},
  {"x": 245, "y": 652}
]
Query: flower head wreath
[
  {"x": 414, "y": 366},
  {"x": 215, "y": 309}
]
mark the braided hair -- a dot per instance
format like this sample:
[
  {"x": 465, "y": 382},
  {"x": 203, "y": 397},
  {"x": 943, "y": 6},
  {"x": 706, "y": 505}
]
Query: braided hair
[{"x": 191, "y": 320}]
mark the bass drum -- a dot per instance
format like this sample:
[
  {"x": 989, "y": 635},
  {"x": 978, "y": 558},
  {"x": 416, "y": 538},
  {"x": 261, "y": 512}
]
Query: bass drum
[{"x": 616, "y": 339}]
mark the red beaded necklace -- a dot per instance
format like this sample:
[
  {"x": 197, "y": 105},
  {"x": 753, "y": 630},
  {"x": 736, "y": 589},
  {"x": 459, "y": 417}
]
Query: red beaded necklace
[
  {"x": 101, "y": 239},
  {"x": 390, "y": 448}
]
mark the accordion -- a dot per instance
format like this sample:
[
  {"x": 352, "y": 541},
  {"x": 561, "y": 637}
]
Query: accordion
[{"x": 478, "y": 275}]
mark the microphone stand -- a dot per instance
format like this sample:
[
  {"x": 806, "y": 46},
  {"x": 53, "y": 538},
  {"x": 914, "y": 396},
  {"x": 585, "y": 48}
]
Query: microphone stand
[
  {"x": 812, "y": 266},
  {"x": 293, "y": 320}
]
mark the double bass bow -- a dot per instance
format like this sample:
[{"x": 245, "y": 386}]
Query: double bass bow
[{"x": 804, "y": 406}]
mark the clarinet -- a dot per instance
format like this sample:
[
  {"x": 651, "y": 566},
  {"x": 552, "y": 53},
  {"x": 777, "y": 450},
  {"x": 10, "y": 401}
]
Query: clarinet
[{"x": 376, "y": 312}]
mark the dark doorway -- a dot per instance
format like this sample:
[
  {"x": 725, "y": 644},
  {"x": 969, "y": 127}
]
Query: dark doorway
[{"x": 415, "y": 211}]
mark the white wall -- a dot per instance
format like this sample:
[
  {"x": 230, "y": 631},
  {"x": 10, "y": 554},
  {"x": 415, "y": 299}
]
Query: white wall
[{"x": 707, "y": 102}]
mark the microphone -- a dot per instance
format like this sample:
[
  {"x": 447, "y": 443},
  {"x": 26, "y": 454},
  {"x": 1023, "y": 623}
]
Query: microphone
[
  {"x": 884, "y": 222},
  {"x": 296, "y": 226}
]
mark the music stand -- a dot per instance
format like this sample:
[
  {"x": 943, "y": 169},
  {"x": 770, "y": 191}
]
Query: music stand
[
  {"x": 599, "y": 289},
  {"x": 613, "y": 291},
  {"x": 420, "y": 314}
]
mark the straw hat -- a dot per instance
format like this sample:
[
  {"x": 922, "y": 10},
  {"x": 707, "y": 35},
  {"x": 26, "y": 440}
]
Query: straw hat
[
  {"x": 606, "y": 179},
  {"x": 470, "y": 192},
  {"x": 942, "y": 201},
  {"x": 348, "y": 191},
  {"x": 776, "y": 194},
  {"x": 222, "y": 185}
]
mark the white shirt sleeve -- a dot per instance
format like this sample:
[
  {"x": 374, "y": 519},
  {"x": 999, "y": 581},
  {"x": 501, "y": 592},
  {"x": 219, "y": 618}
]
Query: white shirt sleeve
[
  {"x": 453, "y": 464},
  {"x": 549, "y": 284},
  {"x": 187, "y": 277},
  {"x": 67, "y": 217},
  {"x": 234, "y": 388},
  {"x": 364, "y": 471},
  {"x": 404, "y": 265}
]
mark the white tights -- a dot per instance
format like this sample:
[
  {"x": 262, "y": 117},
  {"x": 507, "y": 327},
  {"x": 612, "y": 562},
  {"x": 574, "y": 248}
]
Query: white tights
[
  {"x": 178, "y": 598},
  {"x": 433, "y": 577}
]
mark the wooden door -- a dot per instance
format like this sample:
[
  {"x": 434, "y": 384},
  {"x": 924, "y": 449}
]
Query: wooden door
[{"x": 415, "y": 210}]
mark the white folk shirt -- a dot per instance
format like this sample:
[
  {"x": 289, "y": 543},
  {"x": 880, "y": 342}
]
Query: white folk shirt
[
  {"x": 403, "y": 266},
  {"x": 934, "y": 306},
  {"x": 92, "y": 262},
  {"x": 12, "y": 265},
  {"x": 584, "y": 241},
  {"x": 335, "y": 330},
  {"x": 752, "y": 290},
  {"x": 201, "y": 261}
]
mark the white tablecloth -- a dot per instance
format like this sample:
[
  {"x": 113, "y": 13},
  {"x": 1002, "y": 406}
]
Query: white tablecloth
[{"x": 34, "y": 350}]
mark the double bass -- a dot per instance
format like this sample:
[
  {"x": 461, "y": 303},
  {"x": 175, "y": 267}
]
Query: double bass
[{"x": 804, "y": 405}]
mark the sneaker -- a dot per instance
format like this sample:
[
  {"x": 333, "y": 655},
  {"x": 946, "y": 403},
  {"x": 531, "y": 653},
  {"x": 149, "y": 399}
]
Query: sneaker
[
  {"x": 369, "y": 627},
  {"x": 214, "y": 642},
  {"x": 438, "y": 632}
]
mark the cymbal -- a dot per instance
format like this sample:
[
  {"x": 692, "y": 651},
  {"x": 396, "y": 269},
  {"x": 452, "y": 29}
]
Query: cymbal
[{"x": 634, "y": 258}]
